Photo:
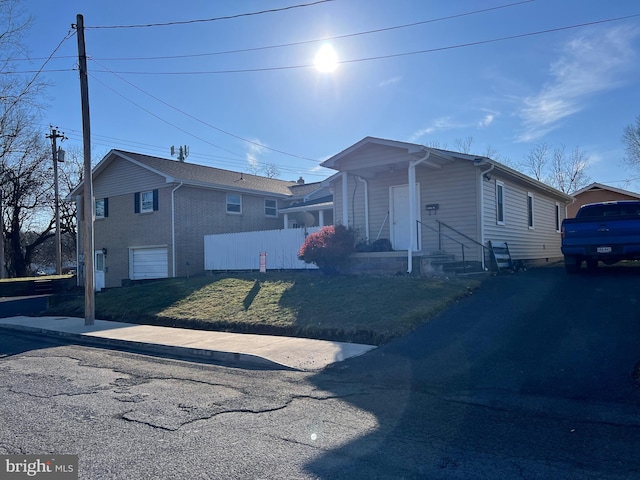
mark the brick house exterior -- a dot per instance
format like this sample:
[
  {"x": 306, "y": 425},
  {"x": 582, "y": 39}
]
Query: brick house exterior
[
  {"x": 151, "y": 214},
  {"x": 597, "y": 192}
]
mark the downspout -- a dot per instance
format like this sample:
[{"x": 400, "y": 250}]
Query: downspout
[
  {"x": 481, "y": 203},
  {"x": 366, "y": 207},
  {"x": 412, "y": 208},
  {"x": 345, "y": 203},
  {"x": 173, "y": 230}
]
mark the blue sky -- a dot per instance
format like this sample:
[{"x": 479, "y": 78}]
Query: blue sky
[{"x": 578, "y": 86}]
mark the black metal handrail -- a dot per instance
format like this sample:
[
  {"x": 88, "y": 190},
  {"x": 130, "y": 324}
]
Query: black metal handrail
[
  {"x": 460, "y": 233},
  {"x": 464, "y": 263}
]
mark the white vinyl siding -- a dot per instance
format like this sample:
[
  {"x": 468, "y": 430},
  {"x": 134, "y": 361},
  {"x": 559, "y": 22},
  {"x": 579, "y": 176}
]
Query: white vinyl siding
[{"x": 524, "y": 242}]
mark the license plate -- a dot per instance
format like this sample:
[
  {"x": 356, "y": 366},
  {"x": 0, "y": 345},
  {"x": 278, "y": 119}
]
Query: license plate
[{"x": 604, "y": 250}]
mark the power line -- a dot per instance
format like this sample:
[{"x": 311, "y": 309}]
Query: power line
[
  {"x": 324, "y": 39},
  {"x": 215, "y": 19},
  {"x": 393, "y": 55},
  {"x": 37, "y": 73},
  {"x": 208, "y": 124},
  {"x": 302, "y": 42}
]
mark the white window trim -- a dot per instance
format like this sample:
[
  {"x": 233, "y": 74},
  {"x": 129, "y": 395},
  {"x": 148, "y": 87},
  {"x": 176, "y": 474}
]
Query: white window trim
[
  {"x": 501, "y": 185},
  {"x": 275, "y": 207},
  {"x": 142, "y": 202},
  {"x": 531, "y": 225},
  {"x": 231, "y": 212},
  {"x": 95, "y": 208}
]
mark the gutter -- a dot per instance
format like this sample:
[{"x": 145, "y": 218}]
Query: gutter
[{"x": 173, "y": 230}]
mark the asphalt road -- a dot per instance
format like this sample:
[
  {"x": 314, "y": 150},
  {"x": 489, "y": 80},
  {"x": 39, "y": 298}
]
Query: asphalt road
[{"x": 533, "y": 376}]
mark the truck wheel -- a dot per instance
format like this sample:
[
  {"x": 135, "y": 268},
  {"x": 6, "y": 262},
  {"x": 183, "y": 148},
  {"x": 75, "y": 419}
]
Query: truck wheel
[
  {"x": 592, "y": 265},
  {"x": 572, "y": 264}
]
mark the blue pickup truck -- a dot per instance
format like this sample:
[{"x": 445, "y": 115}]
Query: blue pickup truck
[{"x": 605, "y": 232}]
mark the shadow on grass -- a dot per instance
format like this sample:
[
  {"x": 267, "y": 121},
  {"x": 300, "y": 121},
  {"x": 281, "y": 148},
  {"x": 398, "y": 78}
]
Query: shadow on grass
[{"x": 253, "y": 293}]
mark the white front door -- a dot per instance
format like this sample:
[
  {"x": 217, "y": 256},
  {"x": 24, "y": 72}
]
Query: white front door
[
  {"x": 99, "y": 271},
  {"x": 400, "y": 229}
]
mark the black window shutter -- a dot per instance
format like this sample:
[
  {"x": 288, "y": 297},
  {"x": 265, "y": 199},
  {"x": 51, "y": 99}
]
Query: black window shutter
[
  {"x": 155, "y": 200},
  {"x": 106, "y": 207},
  {"x": 136, "y": 202}
]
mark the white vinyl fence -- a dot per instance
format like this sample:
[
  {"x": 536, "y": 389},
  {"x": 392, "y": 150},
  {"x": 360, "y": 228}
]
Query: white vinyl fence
[{"x": 241, "y": 251}]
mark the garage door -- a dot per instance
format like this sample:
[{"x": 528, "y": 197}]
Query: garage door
[{"x": 148, "y": 263}]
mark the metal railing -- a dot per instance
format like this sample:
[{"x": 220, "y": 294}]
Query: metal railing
[{"x": 462, "y": 245}]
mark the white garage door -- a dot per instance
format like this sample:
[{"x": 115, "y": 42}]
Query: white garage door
[{"x": 148, "y": 263}]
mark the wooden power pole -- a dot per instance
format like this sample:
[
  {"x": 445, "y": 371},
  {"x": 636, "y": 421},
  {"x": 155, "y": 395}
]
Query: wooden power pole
[{"x": 88, "y": 206}]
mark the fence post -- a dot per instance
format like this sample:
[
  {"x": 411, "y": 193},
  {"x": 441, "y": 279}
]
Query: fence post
[{"x": 263, "y": 262}]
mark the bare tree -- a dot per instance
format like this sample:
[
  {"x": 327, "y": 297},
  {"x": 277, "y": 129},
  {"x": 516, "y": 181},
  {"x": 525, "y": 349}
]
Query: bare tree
[
  {"x": 631, "y": 139},
  {"x": 536, "y": 161},
  {"x": 568, "y": 171},
  {"x": 269, "y": 170},
  {"x": 24, "y": 180},
  {"x": 565, "y": 172},
  {"x": 463, "y": 145}
]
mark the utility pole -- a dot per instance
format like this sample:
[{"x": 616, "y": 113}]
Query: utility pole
[
  {"x": 89, "y": 274},
  {"x": 54, "y": 135}
]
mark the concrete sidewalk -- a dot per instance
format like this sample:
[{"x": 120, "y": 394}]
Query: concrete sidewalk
[{"x": 231, "y": 348}]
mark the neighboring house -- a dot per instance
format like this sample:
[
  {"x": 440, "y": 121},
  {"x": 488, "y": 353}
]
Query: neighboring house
[
  {"x": 429, "y": 201},
  {"x": 151, "y": 214},
  {"x": 597, "y": 192}
]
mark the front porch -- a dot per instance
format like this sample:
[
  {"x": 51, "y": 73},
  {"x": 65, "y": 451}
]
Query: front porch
[{"x": 396, "y": 263}]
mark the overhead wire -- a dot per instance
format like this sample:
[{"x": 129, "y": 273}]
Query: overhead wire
[
  {"x": 306, "y": 42},
  {"x": 393, "y": 55},
  {"x": 323, "y": 39},
  {"x": 215, "y": 19},
  {"x": 257, "y": 144}
]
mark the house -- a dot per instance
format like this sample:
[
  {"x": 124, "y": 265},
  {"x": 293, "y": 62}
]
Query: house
[
  {"x": 432, "y": 203},
  {"x": 597, "y": 192},
  {"x": 151, "y": 213}
]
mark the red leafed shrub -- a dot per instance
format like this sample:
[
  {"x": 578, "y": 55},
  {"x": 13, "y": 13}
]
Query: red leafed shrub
[{"x": 329, "y": 248}]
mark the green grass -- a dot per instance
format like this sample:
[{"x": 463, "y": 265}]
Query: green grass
[{"x": 308, "y": 304}]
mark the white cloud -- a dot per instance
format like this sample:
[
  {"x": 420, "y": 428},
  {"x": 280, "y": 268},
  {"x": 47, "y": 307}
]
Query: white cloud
[
  {"x": 487, "y": 120},
  {"x": 438, "y": 125},
  {"x": 590, "y": 64},
  {"x": 253, "y": 153},
  {"x": 389, "y": 81}
]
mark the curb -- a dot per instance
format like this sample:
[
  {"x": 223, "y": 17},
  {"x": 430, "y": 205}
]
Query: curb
[{"x": 182, "y": 353}]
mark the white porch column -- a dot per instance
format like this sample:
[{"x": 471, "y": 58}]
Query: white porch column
[
  {"x": 321, "y": 218},
  {"x": 286, "y": 221},
  {"x": 345, "y": 195},
  {"x": 412, "y": 210}
]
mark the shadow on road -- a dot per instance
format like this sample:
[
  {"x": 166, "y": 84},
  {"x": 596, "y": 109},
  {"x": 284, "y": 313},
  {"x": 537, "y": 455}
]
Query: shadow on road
[{"x": 502, "y": 379}]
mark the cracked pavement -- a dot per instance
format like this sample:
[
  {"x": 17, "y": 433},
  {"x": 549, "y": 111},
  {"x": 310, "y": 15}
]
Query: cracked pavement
[{"x": 504, "y": 384}]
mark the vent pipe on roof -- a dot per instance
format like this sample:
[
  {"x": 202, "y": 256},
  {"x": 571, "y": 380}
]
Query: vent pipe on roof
[{"x": 300, "y": 181}]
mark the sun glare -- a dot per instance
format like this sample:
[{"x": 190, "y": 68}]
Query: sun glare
[{"x": 326, "y": 59}]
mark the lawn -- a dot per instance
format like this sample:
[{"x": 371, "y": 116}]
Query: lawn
[{"x": 307, "y": 304}]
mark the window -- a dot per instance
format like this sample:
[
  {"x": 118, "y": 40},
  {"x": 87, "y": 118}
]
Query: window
[
  {"x": 270, "y": 208},
  {"x": 234, "y": 203},
  {"x": 145, "y": 202},
  {"x": 499, "y": 203},
  {"x": 557, "y": 217},
  {"x": 530, "y": 210},
  {"x": 102, "y": 208}
]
